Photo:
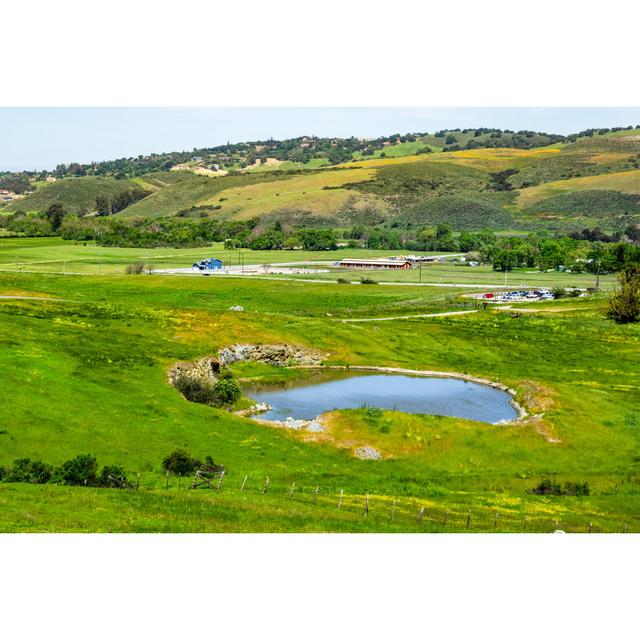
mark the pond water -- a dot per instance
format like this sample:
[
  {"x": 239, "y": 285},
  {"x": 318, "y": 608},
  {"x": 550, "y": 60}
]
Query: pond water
[{"x": 325, "y": 391}]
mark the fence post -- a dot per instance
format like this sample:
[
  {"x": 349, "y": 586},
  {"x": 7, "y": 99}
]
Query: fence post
[
  {"x": 393, "y": 511},
  {"x": 446, "y": 517},
  {"x": 555, "y": 524},
  {"x": 167, "y": 479},
  {"x": 495, "y": 520},
  {"x": 468, "y": 518},
  {"x": 315, "y": 498},
  {"x": 138, "y": 482},
  {"x": 366, "y": 505},
  {"x": 340, "y": 500},
  {"x": 590, "y": 527},
  {"x": 243, "y": 483},
  {"x": 293, "y": 486},
  {"x": 220, "y": 480},
  {"x": 420, "y": 515},
  {"x": 266, "y": 485},
  {"x": 524, "y": 524}
]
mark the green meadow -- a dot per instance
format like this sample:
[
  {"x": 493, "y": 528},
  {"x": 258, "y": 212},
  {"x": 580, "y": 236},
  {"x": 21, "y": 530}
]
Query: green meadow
[{"x": 85, "y": 371}]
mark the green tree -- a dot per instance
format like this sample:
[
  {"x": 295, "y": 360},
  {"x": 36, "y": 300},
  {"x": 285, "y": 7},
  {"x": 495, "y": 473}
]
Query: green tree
[{"x": 624, "y": 303}]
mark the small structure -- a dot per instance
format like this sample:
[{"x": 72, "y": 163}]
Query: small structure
[
  {"x": 386, "y": 263},
  {"x": 208, "y": 264}
]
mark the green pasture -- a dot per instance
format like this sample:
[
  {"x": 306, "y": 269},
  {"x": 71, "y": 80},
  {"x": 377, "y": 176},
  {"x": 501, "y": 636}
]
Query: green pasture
[{"x": 86, "y": 373}]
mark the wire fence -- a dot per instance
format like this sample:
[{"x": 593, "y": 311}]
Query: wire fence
[{"x": 402, "y": 513}]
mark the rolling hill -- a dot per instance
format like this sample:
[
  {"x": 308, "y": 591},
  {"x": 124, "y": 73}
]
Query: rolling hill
[{"x": 592, "y": 180}]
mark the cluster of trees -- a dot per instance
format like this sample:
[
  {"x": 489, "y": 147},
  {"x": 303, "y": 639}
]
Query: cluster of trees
[
  {"x": 16, "y": 182},
  {"x": 79, "y": 471},
  {"x": 539, "y": 252},
  {"x": 107, "y": 205}
]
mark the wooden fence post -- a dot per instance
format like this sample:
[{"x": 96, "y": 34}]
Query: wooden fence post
[
  {"x": 446, "y": 517},
  {"x": 340, "y": 500},
  {"x": 366, "y": 505},
  {"x": 138, "y": 482},
  {"x": 243, "y": 483},
  {"x": 293, "y": 486},
  {"x": 495, "y": 520},
  {"x": 420, "y": 515},
  {"x": 315, "y": 498},
  {"x": 220, "y": 480},
  {"x": 167, "y": 479},
  {"x": 468, "y": 518},
  {"x": 590, "y": 527},
  {"x": 393, "y": 511},
  {"x": 266, "y": 485}
]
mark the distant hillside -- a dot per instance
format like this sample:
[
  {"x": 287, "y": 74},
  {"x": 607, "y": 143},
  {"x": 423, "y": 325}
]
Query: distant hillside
[
  {"x": 587, "y": 180},
  {"x": 77, "y": 195}
]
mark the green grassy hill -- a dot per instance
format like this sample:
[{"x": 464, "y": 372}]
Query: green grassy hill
[
  {"x": 78, "y": 195},
  {"x": 412, "y": 188}
]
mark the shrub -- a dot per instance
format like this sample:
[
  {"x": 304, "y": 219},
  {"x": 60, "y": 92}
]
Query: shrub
[
  {"x": 118, "y": 474},
  {"x": 134, "y": 269},
  {"x": 26, "y": 470},
  {"x": 368, "y": 281},
  {"x": 559, "y": 292},
  {"x": 226, "y": 391},
  {"x": 195, "y": 389},
  {"x": 180, "y": 463},
  {"x": 577, "y": 489},
  {"x": 343, "y": 281},
  {"x": 624, "y": 303},
  {"x": 548, "y": 488},
  {"x": 82, "y": 470},
  {"x": 3, "y": 473}
]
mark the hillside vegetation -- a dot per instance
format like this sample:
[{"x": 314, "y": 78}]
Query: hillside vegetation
[{"x": 402, "y": 181}]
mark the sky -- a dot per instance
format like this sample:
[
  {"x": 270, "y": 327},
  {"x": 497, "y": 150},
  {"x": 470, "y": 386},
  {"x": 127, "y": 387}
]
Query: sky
[{"x": 35, "y": 138}]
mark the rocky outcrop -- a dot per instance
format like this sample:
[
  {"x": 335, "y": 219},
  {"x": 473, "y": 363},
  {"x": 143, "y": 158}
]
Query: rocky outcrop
[
  {"x": 208, "y": 369},
  {"x": 205, "y": 370},
  {"x": 367, "y": 453},
  {"x": 279, "y": 355}
]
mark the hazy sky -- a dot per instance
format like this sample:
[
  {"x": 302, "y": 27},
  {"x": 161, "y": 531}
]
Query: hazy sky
[{"x": 40, "y": 138}]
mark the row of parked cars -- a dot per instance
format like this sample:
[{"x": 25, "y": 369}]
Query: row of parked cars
[{"x": 520, "y": 296}]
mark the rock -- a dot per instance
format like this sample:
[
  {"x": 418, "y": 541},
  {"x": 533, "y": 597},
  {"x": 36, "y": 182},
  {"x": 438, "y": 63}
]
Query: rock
[
  {"x": 291, "y": 423},
  {"x": 279, "y": 355},
  {"x": 367, "y": 453},
  {"x": 315, "y": 427},
  {"x": 206, "y": 369},
  {"x": 236, "y": 308}
]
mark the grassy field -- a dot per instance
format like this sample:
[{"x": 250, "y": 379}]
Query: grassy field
[
  {"x": 87, "y": 373},
  {"x": 53, "y": 255}
]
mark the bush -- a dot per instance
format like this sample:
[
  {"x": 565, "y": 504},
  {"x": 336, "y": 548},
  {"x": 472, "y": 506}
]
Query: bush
[
  {"x": 624, "y": 303},
  {"x": 113, "y": 471},
  {"x": 26, "y": 470},
  {"x": 195, "y": 389},
  {"x": 559, "y": 292},
  {"x": 82, "y": 470},
  {"x": 180, "y": 463},
  {"x": 368, "y": 281},
  {"x": 548, "y": 488},
  {"x": 134, "y": 269},
  {"x": 226, "y": 391},
  {"x": 577, "y": 489},
  {"x": 3, "y": 473},
  {"x": 343, "y": 281}
]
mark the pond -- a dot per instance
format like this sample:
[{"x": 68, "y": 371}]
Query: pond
[{"x": 325, "y": 391}]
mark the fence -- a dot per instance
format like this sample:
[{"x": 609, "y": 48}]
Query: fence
[{"x": 400, "y": 513}]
